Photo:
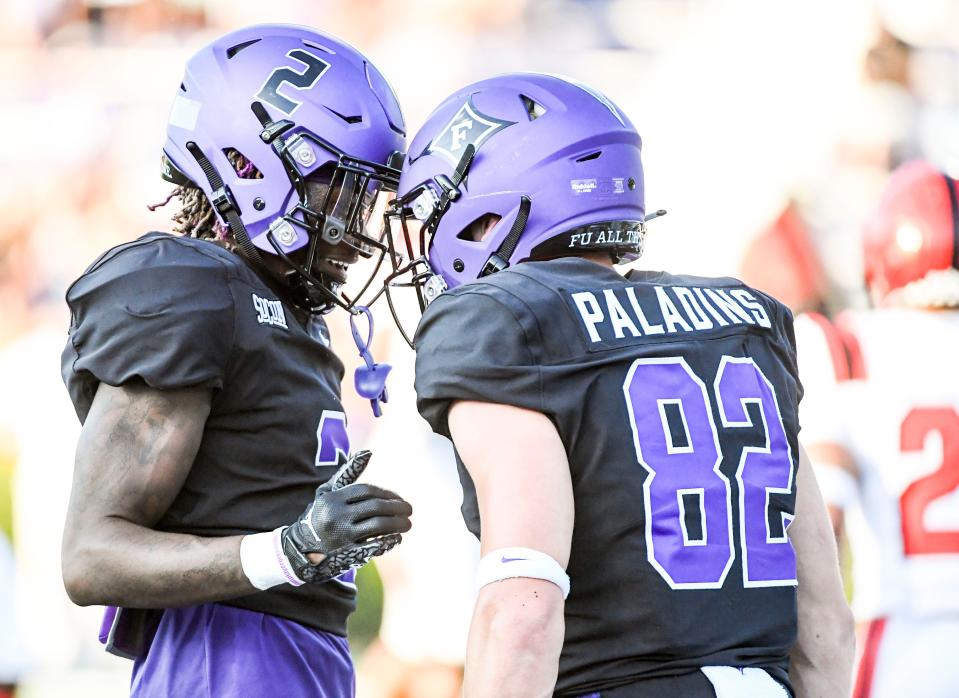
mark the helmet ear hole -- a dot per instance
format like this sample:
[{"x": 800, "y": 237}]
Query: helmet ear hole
[
  {"x": 242, "y": 165},
  {"x": 534, "y": 109},
  {"x": 479, "y": 228}
]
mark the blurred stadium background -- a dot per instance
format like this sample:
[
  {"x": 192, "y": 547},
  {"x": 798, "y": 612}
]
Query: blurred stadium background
[{"x": 769, "y": 128}]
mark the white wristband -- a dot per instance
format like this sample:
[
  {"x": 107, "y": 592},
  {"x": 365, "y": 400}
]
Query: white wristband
[
  {"x": 263, "y": 561},
  {"x": 507, "y": 563}
]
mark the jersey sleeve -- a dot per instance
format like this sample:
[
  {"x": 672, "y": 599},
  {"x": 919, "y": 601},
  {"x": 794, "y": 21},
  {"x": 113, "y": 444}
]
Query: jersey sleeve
[
  {"x": 788, "y": 329},
  {"x": 159, "y": 312},
  {"x": 472, "y": 346},
  {"x": 783, "y": 325}
]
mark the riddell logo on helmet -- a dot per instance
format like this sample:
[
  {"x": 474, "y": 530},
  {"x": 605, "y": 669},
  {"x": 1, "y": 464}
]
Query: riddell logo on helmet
[
  {"x": 599, "y": 185},
  {"x": 468, "y": 125}
]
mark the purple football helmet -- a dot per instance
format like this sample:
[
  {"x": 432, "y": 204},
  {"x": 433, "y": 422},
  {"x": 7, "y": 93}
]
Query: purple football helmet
[
  {"x": 516, "y": 167},
  {"x": 302, "y": 107}
]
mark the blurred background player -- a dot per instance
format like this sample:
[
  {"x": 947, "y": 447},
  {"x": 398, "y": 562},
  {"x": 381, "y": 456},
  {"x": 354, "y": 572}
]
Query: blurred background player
[
  {"x": 566, "y": 387},
  {"x": 881, "y": 420},
  {"x": 213, "y": 500}
]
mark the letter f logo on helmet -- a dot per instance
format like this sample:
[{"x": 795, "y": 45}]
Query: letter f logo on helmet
[
  {"x": 468, "y": 125},
  {"x": 459, "y": 132}
]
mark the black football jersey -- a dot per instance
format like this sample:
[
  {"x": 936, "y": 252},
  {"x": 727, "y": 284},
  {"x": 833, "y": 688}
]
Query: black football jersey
[
  {"x": 676, "y": 399},
  {"x": 175, "y": 312}
]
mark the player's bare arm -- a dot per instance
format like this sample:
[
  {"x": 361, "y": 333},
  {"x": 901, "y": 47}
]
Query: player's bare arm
[
  {"x": 526, "y": 501},
  {"x": 821, "y": 660},
  {"x": 135, "y": 451}
]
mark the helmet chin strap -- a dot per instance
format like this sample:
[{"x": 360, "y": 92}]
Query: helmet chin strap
[
  {"x": 499, "y": 260},
  {"x": 225, "y": 205},
  {"x": 223, "y": 202}
]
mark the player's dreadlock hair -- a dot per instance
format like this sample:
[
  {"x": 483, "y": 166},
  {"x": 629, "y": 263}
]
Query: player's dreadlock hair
[{"x": 196, "y": 218}]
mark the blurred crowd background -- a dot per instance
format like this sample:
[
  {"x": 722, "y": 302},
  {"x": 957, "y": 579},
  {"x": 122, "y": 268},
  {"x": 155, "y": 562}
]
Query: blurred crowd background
[{"x": 769, "y": 128}]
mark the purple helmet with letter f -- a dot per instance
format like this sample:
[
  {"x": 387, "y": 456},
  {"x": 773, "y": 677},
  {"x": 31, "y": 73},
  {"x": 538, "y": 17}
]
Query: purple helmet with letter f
[{"x": 517, "y": 167}]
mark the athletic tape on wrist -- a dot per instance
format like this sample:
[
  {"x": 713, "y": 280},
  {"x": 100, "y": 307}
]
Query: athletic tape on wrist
[
  {"x": 507, "y": 563},
  {"x": 839, "y": 488},
  {"x": 263, "y": 561}
]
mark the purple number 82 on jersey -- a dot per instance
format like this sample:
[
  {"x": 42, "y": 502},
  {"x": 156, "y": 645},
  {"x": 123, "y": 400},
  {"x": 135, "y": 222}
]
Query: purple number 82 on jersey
[{"x": 677, "y": 443}]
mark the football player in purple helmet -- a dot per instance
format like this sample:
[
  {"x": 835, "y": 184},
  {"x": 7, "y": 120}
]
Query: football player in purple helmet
[
  {"x": 214, "y": 504},
  {"x": 650, "y": 525}
]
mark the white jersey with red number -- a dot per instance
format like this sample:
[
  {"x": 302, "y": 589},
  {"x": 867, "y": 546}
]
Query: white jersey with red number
[{"x": 885, "y": 385}]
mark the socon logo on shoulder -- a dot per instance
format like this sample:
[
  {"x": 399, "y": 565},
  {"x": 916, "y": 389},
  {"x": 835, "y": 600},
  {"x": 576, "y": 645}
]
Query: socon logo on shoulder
[
  {"x": 468, "y": 125},
  {"x": 269, "y": 312}
]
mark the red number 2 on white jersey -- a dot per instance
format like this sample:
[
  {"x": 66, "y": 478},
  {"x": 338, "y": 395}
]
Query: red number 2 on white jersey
[{"x": 918, "y": 424}]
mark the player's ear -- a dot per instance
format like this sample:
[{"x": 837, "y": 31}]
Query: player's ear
[{"x": 478, "y": 229}]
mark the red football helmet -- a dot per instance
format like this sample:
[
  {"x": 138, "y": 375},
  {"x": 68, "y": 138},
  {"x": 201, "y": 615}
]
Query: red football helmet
[{"x": 913, "y": 231}]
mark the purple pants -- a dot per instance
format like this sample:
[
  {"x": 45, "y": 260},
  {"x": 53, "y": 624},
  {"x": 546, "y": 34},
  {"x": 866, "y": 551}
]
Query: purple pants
[{"x": 213, "y": 650}]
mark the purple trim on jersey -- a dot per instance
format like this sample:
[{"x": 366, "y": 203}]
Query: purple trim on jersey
[
  {"x": 109, "y": 615},
  {"x": 333, "y": 441},
  {"x": 216, "y": 650}
]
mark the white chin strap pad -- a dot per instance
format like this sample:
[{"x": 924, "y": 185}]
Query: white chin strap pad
[{"x": 507, "y": 563}]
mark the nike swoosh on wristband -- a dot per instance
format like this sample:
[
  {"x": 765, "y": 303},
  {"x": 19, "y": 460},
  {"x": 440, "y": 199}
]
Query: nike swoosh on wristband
[{"x": 511, "y": 559}]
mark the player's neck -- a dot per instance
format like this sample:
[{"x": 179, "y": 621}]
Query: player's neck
[{"x": 598, "y": 257}]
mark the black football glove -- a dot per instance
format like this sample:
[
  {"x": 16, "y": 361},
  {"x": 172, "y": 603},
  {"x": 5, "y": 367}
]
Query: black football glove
[{"x": 347, "y": 522}]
